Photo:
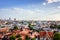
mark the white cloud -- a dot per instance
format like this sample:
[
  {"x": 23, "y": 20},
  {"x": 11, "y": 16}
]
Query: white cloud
[
  {"x": 58, "y": 7},
  {"x": 29, "y": 14},
  {"x": 44, "y": 3},
  {"x": 20, "y": 12},
  {"x": 55, "y": 17},
  {"x": 51, "y": 1}
]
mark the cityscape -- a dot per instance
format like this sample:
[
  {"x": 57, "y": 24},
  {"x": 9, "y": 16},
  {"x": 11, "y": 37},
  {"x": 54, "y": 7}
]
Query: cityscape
[
  {"x": 29, "y": 19},
  {"x": 29, "y": 30}
]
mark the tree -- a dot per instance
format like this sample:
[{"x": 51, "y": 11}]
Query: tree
[
  {"x": 53, "y": 26},
  {"x": 12, "y": 37},
  {"x": 19, "y": 38},
  {"x": 30, "y": 26},
  {"x": 58, "y": 26},
  {"x": 27, "y": 37},
  {"x": 15, "y": 28},
  {"x": 33, "y": 39},
  {"x": 56, "y": 36}
]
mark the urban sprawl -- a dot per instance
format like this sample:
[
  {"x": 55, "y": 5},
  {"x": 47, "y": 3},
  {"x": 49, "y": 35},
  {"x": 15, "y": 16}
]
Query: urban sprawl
[{"x": 29, "y": 30}]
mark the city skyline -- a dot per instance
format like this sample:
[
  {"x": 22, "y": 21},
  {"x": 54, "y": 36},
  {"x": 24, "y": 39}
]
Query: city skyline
[{"x": 30, "y": 9}]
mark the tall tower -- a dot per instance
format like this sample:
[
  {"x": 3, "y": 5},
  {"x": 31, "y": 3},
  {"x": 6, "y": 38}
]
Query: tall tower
[
  {"x": 14, "y": 19},
  {"x": 9, "y": 18}
]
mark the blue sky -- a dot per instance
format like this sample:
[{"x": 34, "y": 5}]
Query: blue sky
[{"x": 30, "y": 9}]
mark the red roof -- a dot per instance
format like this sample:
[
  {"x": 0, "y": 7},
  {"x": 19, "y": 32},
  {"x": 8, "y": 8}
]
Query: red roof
[
  {"x": 50, "y": 34},
  {"x": 1, "y": 36},
  {"x": 42, "y": 34},
  {"x": 16, "y": 31},
  {"x": 8, "y": 34}
]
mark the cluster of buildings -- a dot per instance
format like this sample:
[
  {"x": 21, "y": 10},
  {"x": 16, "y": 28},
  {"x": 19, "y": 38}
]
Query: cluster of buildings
[{"x": 7, "y": 25}]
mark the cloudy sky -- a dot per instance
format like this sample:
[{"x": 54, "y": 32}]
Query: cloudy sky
[{"x": 30, "y": 9}]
